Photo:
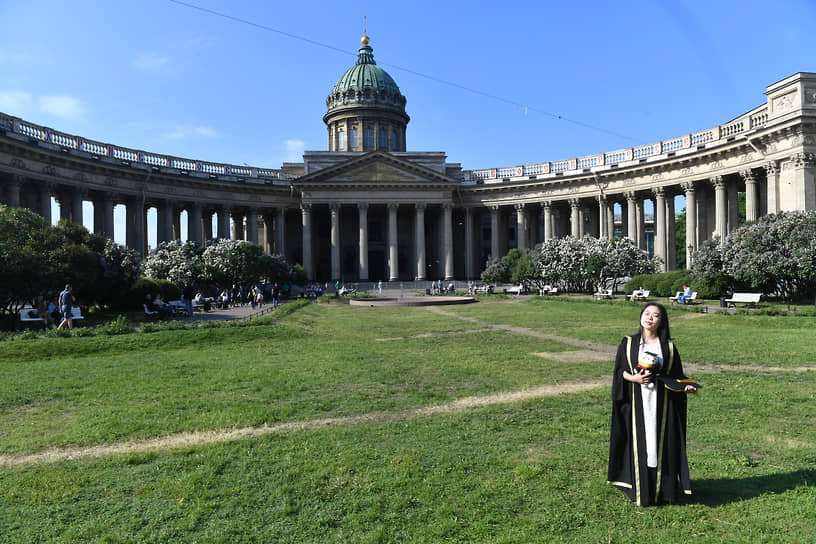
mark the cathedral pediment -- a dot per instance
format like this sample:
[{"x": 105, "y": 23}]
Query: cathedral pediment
[{"x": 375, "y": 169}]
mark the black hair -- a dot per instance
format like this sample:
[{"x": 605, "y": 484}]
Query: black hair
[{"x": 663, "y": 328}]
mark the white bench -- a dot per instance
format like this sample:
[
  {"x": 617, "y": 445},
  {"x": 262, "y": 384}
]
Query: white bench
[
  {"x": 27, "y": 315},
  {"x": 604, "y": 293},
  {"x": 635, "y": 296},
  {"x": 547, "y": 290},
  {"x": 689, "y": 300},
  {"x": 749, "y": 299}
]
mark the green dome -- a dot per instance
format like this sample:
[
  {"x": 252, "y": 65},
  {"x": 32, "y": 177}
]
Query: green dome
[{"x": 365, "y": 74}]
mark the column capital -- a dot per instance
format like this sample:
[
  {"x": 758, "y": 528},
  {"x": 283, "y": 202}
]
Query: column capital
[
  {"x": 393, "y": 206},
  {"x": 547, "y": 204},
  {"x": 574, "y": 202},
  {"x": 771, "y": 167},
  {"x": 494, "y": 208},
  {"x": 688, "y": 187},
  {"x": 420, "y": 205},
  {"x": 334, "y": 207},
  {"x": 362, "y": 205},
  {"x": 601, "y": 198},
  {"x": 519, "y": 206},
  {"x": 748, "y": 176},
  {"x": 305, "y": 208},
  {"x": 659, "y": 192},
  {"x": 804, "y": 160},
  {"x": 447, "y": 206},
  {"x": 717, "y": 181},
  {"x": 630, "y": 196}
]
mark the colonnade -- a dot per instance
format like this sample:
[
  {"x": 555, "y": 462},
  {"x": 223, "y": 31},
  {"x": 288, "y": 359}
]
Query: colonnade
[{"x": 458, "y": 236}]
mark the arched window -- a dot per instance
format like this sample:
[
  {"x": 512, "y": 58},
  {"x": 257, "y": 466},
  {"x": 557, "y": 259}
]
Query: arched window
[{"x": 341, "y": 140}]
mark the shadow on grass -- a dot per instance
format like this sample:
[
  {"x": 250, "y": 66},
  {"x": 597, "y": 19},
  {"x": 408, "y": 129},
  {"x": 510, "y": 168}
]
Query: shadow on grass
[{"x": 727, "y": 490}]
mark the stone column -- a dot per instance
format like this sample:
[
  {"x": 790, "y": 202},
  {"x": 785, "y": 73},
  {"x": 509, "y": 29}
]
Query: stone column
[
  {"x": 639, "y": 224},
  {"x": 469, "y": 245},
  {"x": 602, "y": 223},
  {"x": 772, "y": 173},
  {"x": 691, "y": 222},
  {"x": 419, "y": 235},
  {"x": 107, "y": 212},
  {"x": 194, "y": 223},
  {"x": 306, "y": 218},
  {"x": 575, "y": 219},
  {"x": 266, "y": 237},
  {"x": 393, "y": 247},
  {"x": 237, "y": 224},
  {"x": 732, "y": 205},
  {"x": 164, "y": 221},
  {"x": 177, "y": 222},
  {"x": 660, "y": 226},
  {"x": 631, "y": 218},
  {"x": 548, "y": 221},
  {"x": 252, "y": 225},
  {"x": 521, "y": 226},
  {"x": 280, "y": 233},
  {"x": 671, "y": 235},
  {"x": 206, "y": 225},
  {"x": 334, "y": 209},
  {"x": 494, "y": 232},
  {"x": 98, "y": 215},
  {"x": 76, "y": 204},
  {"x": 224, "y": 222},
  {"x": 610, "y": 219},
  {"x": 13, "y": 191},
  {"x": 447, "y": 239},
  {"x": 721, "y": 208},
  {"x": 751, "y": 196},
  {"x": 135, "y": 224},
  {"x": 362, "y": 210},
  {"x": 45, "y": 201}
]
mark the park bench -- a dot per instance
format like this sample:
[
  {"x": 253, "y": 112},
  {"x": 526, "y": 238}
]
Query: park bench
[
  {"x": 749, "y": 299},
  {"x": 548, "y": 290},
  {"x": 689, "y": 300},
  {"x": 28, "y": 315},
  {"x": 635, "y": 296},
  {"x": 604, "y": 293}
]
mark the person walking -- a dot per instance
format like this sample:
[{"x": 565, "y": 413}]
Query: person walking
[{"x": 66, "y": 302}]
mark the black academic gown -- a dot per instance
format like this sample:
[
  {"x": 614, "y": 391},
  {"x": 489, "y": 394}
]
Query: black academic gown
[{"x": 627, "y": 443}]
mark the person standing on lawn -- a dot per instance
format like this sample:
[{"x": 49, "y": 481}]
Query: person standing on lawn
[{"x": 647, "y": 446}]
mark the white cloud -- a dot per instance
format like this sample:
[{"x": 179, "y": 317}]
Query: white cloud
[
  {"x": 63, "y": 106},
  {"x": 183, "y": 132},
  {"x": 151, "y": 62},
  {"x": 294, "y": 149},
  {"x": 14, "y": 102}
]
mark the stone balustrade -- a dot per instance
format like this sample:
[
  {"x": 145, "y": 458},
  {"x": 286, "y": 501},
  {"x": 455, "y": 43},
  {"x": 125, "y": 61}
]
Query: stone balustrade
[{"x": 750, "y": 121}]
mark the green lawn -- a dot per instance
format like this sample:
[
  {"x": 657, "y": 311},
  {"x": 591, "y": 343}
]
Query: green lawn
[{"x": 526, "y": 471}]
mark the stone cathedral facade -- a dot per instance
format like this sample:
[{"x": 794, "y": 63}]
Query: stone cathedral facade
[{"x": 368, "y": 209}]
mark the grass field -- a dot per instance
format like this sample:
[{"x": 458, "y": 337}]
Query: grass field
[{"x": 348, "y": 424}]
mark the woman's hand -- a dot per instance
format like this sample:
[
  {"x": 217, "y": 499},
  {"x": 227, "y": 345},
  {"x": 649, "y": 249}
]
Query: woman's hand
[
  {"x": 643, "y": 377},
  {"x": 690, "y": 389}
]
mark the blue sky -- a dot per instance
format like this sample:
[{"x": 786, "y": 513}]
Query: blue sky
[{"x": 486, "y": 84}]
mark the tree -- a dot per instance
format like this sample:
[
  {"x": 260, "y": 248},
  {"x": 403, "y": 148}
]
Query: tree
[
  {"x": 776, "y": 255},
  {"x": 174, "y": 261},
  {"x": 579, "y": 264}
]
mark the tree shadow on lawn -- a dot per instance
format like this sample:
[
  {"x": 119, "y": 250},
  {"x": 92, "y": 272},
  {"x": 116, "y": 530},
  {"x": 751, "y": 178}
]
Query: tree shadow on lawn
[{"x": 717, "y": 492}]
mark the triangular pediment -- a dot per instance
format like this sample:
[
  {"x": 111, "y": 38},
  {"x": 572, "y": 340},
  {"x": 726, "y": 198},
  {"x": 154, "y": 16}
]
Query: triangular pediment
[{"x": 375, "y": 169}]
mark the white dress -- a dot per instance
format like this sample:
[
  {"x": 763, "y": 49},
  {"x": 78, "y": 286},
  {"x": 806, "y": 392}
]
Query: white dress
[{"x": 648, "y": 393}]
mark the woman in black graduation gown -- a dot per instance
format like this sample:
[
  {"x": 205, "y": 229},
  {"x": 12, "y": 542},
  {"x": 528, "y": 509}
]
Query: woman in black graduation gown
[{"x": 647, "y": 446}]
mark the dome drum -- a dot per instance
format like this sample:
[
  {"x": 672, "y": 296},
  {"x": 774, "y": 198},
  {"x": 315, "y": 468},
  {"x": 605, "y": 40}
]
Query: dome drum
[{"x": 366, "y": 110}]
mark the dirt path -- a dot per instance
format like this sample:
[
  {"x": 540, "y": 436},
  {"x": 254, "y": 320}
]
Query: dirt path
[
  {"x": 185, "y": 440},
  {"x": 529, "y": 332}
]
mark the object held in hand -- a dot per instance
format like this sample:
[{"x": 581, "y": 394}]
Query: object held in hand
[{"x": 648, "y": 361}]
